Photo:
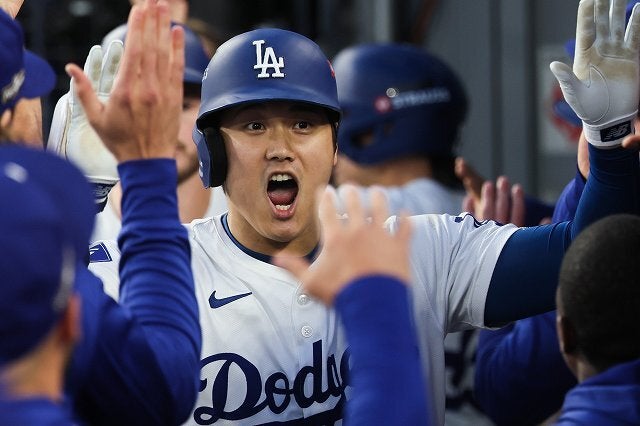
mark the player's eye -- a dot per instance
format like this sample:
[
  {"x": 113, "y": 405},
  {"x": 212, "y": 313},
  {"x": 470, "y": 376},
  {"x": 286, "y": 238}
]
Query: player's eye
[
  {"x": 302, "y": 125},
  {"x": 254, "y": 126}
]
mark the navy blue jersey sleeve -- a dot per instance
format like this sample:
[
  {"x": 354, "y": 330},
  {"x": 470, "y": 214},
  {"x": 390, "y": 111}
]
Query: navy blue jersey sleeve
[
  {"x": 138, "y": 362},
  {"x": 525, "y": 277},
  {"x": 386, "y": 374}
]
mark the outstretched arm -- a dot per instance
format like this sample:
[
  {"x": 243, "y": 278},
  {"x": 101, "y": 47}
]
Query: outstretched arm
[
  {"x": 12, "y": 7},
  {"x": 607, "y": 66},
  {"x": 139, "y": 362},
  {"x": 362, "y": 270}
]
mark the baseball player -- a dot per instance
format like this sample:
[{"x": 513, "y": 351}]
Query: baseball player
[
  {"x": 122, "y": 371},
  {"x": 38, "y": 308},
  {"x": 400, "y": 126},
  {"x": 398, "y": 134},
  {"x": 266, "y": 131},
  {"x": 194, "y": 201},
  {"x": 155, "y": 333}
]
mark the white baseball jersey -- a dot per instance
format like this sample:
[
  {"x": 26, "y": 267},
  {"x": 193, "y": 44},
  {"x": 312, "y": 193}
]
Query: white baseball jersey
[
  {"x": 108, "y": 223},
  {"x": 270, "y": 353},
  {"x": 422, "y": 196}
]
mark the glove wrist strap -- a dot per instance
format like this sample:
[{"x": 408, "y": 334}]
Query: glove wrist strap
[{"x": 609, "y": 135}]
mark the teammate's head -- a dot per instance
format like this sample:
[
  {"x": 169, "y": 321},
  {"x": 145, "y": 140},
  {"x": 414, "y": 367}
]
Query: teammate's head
[
  {"x": 397, "y": 101},
  {"x": 196, "y": 60},
  {"x": 46, "y": 216},
  {"x": 22, "y": 74},
  {"x": 195, "y": 57},
  {"x": 256, "y": 67},
  {"x": 598, "y": 294}
]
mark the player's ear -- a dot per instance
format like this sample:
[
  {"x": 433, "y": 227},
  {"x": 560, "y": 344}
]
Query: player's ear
[
  {"x": 567, "y": 336},
  {"x": 70, "y": 328},
  {"x": 5, "y": 118}
]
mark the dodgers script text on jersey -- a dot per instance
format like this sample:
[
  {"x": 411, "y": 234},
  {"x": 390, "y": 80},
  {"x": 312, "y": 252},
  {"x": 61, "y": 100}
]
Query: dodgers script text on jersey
[{"x": 276, "y": 355}]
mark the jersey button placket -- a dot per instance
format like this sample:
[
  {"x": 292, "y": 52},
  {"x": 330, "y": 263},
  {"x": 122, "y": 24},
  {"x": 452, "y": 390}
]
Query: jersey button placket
[{"x": 306, "y": 331}]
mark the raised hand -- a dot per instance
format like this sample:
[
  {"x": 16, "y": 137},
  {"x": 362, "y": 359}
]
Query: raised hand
[
  {"x": 72, "y": 136},
  {"x": 141, "y": 118},
  {"x": 12, "y": 7},
  {"x": 501, "y": 201},
  {"x": 603, "y": 86},
  {"x": 353, "y": 246}
]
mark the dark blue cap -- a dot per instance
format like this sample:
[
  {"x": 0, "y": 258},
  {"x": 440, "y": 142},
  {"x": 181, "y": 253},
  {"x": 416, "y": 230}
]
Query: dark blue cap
[
  {"x": 46, "y": 216},
  {"x": 195, "y": 57},
  {"x": 22, "y": 74}
]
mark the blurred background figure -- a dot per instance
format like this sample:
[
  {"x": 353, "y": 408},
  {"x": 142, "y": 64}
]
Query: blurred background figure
[
  {"x": 402, "y": 112},
  {"x": 39, "y": 308},
  {"x": 403, "y": 109},
  {"x": 194, "y": 200}
]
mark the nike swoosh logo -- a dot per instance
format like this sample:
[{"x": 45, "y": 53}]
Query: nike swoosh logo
[{"x": 218, "y": 303}]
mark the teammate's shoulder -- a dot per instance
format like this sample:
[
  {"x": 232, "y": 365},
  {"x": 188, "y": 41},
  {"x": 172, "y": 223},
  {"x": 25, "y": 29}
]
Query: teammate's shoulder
[
  {"x": 204, "y": 228},
  {"x": 103, "y": 251}
]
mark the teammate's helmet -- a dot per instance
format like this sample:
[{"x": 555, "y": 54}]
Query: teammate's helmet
[
  {"x": 259, "y": 66},
  {"x": 195, "y": 57},
  {"x": 411, "y": 102}
]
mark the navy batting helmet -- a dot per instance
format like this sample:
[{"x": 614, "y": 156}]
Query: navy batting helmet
[
  {"x": 258, "y": 66},
  {"x": 195, "y": 57},
  {"x": 411, "y": 102}
]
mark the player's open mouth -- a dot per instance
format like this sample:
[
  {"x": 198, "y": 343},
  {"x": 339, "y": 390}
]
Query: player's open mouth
[{"x": 282, "y": 191}]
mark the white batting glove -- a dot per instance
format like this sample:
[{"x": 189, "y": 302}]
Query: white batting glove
[
  {"x": 603, "y": 88},
  {"x": 72, "y": 136}
]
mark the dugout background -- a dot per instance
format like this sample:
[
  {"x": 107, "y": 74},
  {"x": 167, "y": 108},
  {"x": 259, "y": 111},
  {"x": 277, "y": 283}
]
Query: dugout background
[{"x": 500, "y": 49}]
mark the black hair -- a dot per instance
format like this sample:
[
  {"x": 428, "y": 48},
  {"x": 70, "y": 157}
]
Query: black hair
[{"x": 599, "y": 290}]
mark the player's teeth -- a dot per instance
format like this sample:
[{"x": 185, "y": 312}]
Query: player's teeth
[
  {"x": 283, "y": 208},
  {"x": 281, "y": 177}
]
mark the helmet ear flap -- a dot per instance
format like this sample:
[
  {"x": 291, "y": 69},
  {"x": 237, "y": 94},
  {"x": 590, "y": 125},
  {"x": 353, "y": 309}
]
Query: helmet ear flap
[{"x": 217, "y": 156}]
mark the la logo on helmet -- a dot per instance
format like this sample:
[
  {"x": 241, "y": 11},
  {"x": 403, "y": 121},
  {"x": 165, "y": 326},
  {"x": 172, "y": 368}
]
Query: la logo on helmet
[{"x": 268, "y": 60}]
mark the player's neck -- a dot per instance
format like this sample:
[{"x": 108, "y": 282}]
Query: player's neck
[
  {"x": 396, "y": 172},
  {"x": 193, "y": 199},
  {"x": 39, "y": 374},
  {"x": 403, "y": 170},
  {"x": 246, "y": 235},
  {"x": 585, "y": 370}
]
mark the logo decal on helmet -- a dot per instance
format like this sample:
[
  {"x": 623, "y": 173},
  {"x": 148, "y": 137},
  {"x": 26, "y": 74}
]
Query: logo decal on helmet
[
  {"x": 11, "y": 90},
  {"x": 269, "y": 60}
]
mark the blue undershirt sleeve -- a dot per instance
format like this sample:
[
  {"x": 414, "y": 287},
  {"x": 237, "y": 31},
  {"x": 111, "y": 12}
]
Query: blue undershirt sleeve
[
  {"x": 525, "y": 277},
  {"x": 386, "y": 374},
  {"x": 567, "y": 203},
  {"x": 141, "y": 358}
]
